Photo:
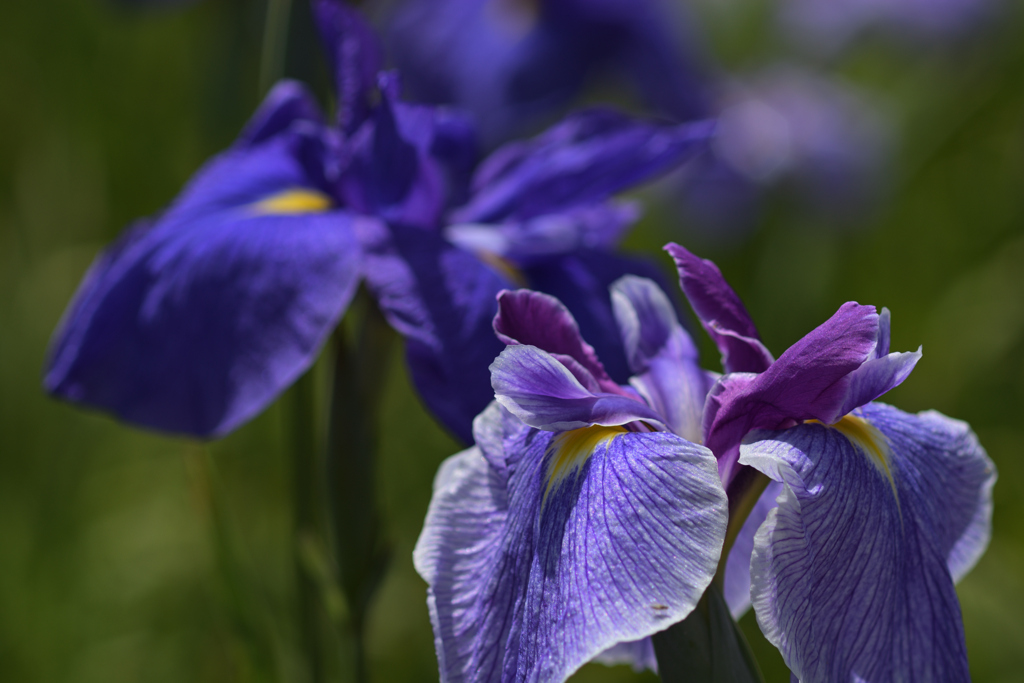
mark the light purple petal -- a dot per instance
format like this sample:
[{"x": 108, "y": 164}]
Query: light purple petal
[
  {"x": 661, "y": 354},
  {"x": 721, "y": 312},
  {"x": 529, "y": 582},
  {"x": 543, "y": 393},
  {"x": 851, "y": 572}
]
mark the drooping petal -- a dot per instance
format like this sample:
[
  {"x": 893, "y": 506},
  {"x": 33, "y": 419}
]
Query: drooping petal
[
  {"x": 585, "y": 159},
  {"x": 661, "y": 355},
  {"x": 541, "y": 320},
  {"x": 721, "y": 313},
  {"x": 442, "y": 300},
  {"x": 354, "y": 55},
  {"x": 534, "y": 573},
  {"x": 582, "y": 281},
  {"x": 194, "y": 322},
  {"x": 851, "y": 573},
  {"x": 543, "y": 393}
]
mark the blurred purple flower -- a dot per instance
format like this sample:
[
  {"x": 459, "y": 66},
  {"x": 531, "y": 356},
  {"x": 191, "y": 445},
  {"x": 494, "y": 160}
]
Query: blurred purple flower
[
  {"x": 790, "y": 126},
  {"x": 516, "y": 62},
  {"x": 828, "y": 25},
  {"x": 582, "y": 521},
  {"x": 196, "y": 320}
]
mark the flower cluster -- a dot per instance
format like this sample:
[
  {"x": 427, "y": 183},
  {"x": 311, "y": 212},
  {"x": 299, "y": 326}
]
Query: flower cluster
[
  {"x": 613, "y": 484},
  {"x": 590, "y": 515}
]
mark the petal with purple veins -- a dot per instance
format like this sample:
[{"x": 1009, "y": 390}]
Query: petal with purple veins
[
  {"x": 851, "y": 573},
  {"x": 529, "y": 581}
]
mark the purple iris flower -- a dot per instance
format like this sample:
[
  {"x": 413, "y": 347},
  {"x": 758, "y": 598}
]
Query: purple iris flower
[
  {"x": 851, "y": 554},
  {"x": 585, "y": 518},
  {"x": 195, "y": 320},
  {"x": 512, "y": 62}
]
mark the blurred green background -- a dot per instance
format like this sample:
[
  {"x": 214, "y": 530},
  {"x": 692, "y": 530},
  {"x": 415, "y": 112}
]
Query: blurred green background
[{"x": 127, "y": 556}]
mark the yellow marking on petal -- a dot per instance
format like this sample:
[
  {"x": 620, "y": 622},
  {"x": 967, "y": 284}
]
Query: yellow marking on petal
[
  {"x": 870, "y": 441},
  {"x": 293, "y": 202},
  {"x": 503, "y": 266},
  {"x": 570, "y": 450}
]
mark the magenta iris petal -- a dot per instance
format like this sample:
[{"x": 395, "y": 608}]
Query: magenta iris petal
[
  {"x": 536, "y": 319},
  {"x": 851, "y": 574},
  {"x": 529, "y": 581},
  {"x": 721, "y": 312}
]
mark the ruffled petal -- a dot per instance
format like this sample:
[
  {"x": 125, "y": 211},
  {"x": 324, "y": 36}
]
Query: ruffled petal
[
  {"x": 811, "y": 381},
  {"x": 543, "y": 393},
  {"x": 531, "y": 578},
  {"x": 585, "y": 159},
  {"x": 721, "y": 312},
  {"x": 582, "y": 282},
  {"x": 541, "y": 320},
  {"x": 442, "y": 300},
  {"x": 661, "y": 355},
  {"x": 851, "y": 573}
]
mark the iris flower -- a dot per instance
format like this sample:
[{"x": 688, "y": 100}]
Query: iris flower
[
  {"x": 851, "y": 555},
  {"x": 194, "y": 320},
  {"x": 583, "y": 520},
  {"x": 514, "y": 62}
]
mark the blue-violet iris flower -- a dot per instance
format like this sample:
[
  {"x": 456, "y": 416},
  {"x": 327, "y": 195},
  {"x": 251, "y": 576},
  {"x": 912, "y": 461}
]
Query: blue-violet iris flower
[
  {"x": 851, "y": 554},
  {"x": 514, "y": 62},
  {"x": 193, "y": 321},
  {"x": 585, "y": 518}
]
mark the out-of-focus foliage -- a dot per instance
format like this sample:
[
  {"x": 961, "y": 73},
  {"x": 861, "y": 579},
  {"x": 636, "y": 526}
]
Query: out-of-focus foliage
[{"x": 127, "y": 556}]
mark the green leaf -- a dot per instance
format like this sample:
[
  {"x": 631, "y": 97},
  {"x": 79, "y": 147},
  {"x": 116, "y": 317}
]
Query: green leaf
[{"x": 706, "y": 647}]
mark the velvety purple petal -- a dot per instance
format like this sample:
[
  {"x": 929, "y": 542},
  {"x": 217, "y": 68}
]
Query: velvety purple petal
[
  {"x": 582, "y": 282},
  {"x": 513, "y": 64},
  {"x": 585, "y": 159},
  {"x": 661, "y": 355},
  {"x": 389, "y": 175},
  {"x": 355, "y": 56},
  {"x": 442, "y": 300},
  {"x": 529, "y": 579},
  {"x": 851, "y": 572},
  {"x": 877, "y": 376},
  {"x": 737, "y": 566},
  {"x": 543, "y": 393},
  {"x": 811, "y": 380},
  {"x": 721, "y": 312},
  {"x": 197, "y": 326},
  {"x": 285, "y": 104},
  {"x": 538, "y": 319}
]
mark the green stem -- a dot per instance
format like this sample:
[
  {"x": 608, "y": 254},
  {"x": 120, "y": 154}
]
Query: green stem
[
  {"x": 360, "y": 553},
  {"x": 306, "y": 482},
  {"x": 275, "y": 42}
]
